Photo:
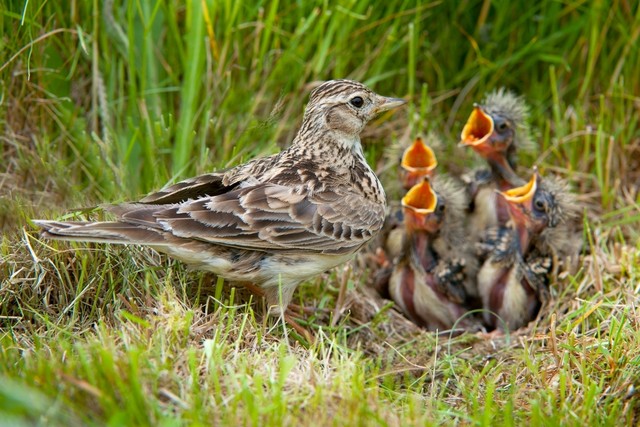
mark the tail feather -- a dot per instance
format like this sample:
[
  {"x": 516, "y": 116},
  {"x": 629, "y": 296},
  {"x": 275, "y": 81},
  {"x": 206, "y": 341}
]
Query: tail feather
[
  {"x": 137, "y": 213},
  {"x": 101, "y": 232}
]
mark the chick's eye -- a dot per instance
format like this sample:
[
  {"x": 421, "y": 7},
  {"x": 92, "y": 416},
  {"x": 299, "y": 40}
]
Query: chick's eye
[
  {"x": 540, "y": 205},
  {"x": 502, "y": 126},
  {"x": 441, "y": 208},
  {"x": 357, "y": 101}
]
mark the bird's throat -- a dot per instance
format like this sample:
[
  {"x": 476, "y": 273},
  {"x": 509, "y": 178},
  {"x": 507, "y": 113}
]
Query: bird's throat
[
  {"x": 524, "y": 236},
  {"x": 421, "y": 247},
  {"x": 502, "y": 170}
]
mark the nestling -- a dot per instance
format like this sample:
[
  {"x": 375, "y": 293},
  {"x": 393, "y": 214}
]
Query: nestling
[
  {"x": 271, "y": 222},
  {"x": 495, "y": 130},
  {"x": 428, "y": 281},
  {"x": 418, "y": 161},
  {"x": 514, "y": 279}
]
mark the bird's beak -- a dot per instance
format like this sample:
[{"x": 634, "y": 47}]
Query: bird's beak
[
  {"x": 387, "y": 104},
  {"x": 523, "y": 194},
  {"x": 419, "y": 204},
  {"x": 418, "y": 161},
  {"x": 478, "y": 128},
  {"x": 520, "y": 199},
  {"x": 421, "y": 197}
]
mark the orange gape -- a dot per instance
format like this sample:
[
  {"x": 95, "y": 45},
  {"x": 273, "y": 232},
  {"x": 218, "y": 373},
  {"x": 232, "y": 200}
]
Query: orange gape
[
  {"x": 478, "y": 128},
  {"x": 418, "y": 161},
  {"x": 523, "y": 193},
  {"x": 417, "y": 205}
]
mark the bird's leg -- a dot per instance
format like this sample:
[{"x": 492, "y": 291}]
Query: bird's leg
[
  {"x": 301, "y": 309},
  {"x": 288, "y": 317},
  {"x": 276, "y": 309},
  {"x": 254, "y": 289},
  {"x": 297, "y": 327}
]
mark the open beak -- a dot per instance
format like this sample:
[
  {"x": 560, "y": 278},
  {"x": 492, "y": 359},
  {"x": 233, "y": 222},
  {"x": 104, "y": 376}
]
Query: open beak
[
  {"x": 478, "y": 128},
  {"x": 523, "y": 194},
  {"x": 519, "y": 199},
  {"x": 419, "y": 204},
  {"x": 418, "y": 161},
  {"x": 387, "y": 104}
]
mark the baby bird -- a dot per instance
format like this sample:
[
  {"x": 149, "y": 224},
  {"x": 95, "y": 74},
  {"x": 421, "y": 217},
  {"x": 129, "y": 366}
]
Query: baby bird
[
  {"x": 562, "y": 244},
  {"x": 418, "y": 161},
  {"x": 428, "y": 278},
  {"x": 513, "y": 280},
  {"x": 495, "y": 130}
]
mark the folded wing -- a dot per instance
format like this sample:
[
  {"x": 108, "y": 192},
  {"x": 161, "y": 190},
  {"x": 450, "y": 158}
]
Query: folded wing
[{"x": 266, "y": 217}]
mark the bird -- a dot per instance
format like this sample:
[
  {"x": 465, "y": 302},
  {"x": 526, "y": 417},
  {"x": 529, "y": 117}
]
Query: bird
[
  {"x": 513, "y": 281},
  {"x": 562, "y": 244},
  {"x": 417, "y": 161},
  {"x": 274, "y": 221},
  {"x": 428, "y": 278},
  {"x": 495, "y": 129}
]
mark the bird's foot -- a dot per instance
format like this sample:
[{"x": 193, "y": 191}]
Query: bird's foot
[
  {"x": 301, "y": 309},
  {"x": 302, "y": 331},
  {"x": 450, "y": 278},
  {"x": 288, "y": 314}
]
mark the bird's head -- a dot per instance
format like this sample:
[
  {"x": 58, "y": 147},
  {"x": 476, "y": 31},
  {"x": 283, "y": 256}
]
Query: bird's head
[
  {"x": 346, "y": 106},
  {"x": 487, "y": 133},
  {"x": 496, "y": 129},
  {"x": 418, "y": 161},
  {"x": 533, "y": 206},
  {"x": 423, "y": 209}
]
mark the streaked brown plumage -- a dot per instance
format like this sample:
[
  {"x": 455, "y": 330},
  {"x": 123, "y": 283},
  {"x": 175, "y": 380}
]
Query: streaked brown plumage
[
  {"x": 513, "y": 281},
  {"x": 428, "y": 279},
  {"x": 273, "y": 221}
]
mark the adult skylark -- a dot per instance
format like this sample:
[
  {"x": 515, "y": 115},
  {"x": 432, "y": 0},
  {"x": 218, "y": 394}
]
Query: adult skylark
[{"x": 273, "y": 221}]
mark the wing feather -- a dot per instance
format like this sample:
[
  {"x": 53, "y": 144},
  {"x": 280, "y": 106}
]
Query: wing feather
[
  {"x": 204, "y": 185},
  {"x": 272, "y": 217}
]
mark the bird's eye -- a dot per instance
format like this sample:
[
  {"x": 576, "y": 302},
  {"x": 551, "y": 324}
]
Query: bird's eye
[
  {"x": 502, "y": 126},
  {"x": 441, "y": 207},
  {"x": 357, "y": 101},
  {"x": 540, "y": 205}
]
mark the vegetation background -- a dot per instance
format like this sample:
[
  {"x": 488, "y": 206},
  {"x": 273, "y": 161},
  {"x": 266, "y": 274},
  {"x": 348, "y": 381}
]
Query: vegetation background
[{"x": 107, "y": 100}]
